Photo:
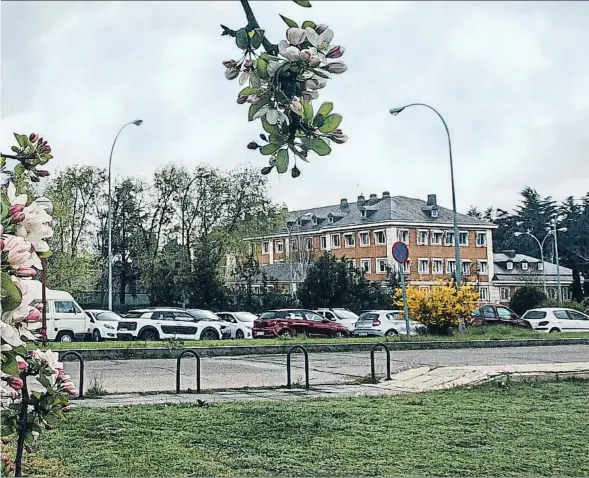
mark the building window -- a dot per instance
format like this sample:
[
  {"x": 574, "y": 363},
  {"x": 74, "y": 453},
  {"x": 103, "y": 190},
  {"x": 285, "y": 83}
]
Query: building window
[
  {"x": 269, "y": 287},
  {"x": 484, "y": 293},
  {"x": 265, "y": 247},
  {"x": 465, "y": 268},
  {"x": 434, "y": 213},
  {"x": 406, "y": 267},
  {"x": 349, "y": 240},
  {"x": 509, "y": 265},
  {"x": 351, "y": 263},
  {"x": 423, "y": 266},
  {"x": 335, "y": 240},
  {"x": 483, "y": 267},
  {"x": 551, "y": 292},
  {"x": 403, "y": 236},
  {"x": 437, "y": 237},
  {"x": 463, "y": 238},
  {"x": 524, "y": 266},
  {"x": 330, "y": 219},
  {"x": 256, "y": 289},
  {"x": 540, "y": 266},
  {"x": 294, "y": 244},
  {"x": 380, "y": 238},
  {"x": 323, "y": 242},
  {"x": 365, "y": 265},
  {"x": 364, "y": 239},
  {"x": 504, "y": 291},
  {"x": 450, "y": 266},
  {"x": 424, "y": 288},
  {"x": 437, "y": 266},
  {"x": 381, "y": 266},
  {"x": 449, "y": 239},
  {"x": 363, "y": 213},
  {"x": 481, "y": 239},
  {"x": 309, "y": 243},
  {"x": 279, "y": 246},
  {"x": 422, "y": 238}
]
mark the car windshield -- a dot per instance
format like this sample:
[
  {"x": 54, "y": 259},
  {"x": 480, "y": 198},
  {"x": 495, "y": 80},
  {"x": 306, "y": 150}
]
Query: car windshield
[
  {"x": 535, "y": 314},
  {"x": 107, "y": 316},
  {"x": 368, "y": 316},
  {"x": 245, "y": 316},
  {"x": 345, "y": 314},
  {"x": 204, "y": 314},
  {"x": 134, "y": 314}
]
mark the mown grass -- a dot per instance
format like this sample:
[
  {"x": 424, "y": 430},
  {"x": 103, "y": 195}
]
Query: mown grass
[
  {"x": 491, "y": 332},
  {"x": 536, "y": 428}
]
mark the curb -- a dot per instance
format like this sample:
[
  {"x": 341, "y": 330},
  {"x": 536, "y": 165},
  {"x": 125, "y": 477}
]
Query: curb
[{"x": 235, "y": 351}]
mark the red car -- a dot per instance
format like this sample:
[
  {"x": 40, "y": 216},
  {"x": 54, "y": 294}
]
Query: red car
[
  {"x": 291, "y": 322},
  {"x": 497, "y": 314}
]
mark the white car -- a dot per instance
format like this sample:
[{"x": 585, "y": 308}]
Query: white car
[
  {"x": 103, "y": 324},
  {"x": 167, "y": 323},
  {"x": 385, "y": 323},
  {"x": 231, "y": 329},
  {"x": 245, "y": 319},
  {"x": 557, "y": 319},
  {"x": 344, "y": 317}
]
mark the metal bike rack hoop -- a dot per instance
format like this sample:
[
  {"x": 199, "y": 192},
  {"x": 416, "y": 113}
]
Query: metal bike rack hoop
[
  {"x": 81, "y": 360},
  {"x": 372, "y": 367},
  {"x": 288, "y": 375},
  {"x": 179, "y": 359}
]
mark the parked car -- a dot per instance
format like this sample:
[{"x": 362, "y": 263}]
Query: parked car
[
  {"x": 291, "y": 322},
  {"x": 244, "y": 318},
  {"x": 167, "y": 323},
  {"x": 230, "y": 329},
  {"x": 345, "y": 317},
  {"x": 555, "y": 319},
  {"x": 385, "y": 323},
  {"x": 103, "y": 324},
  {"x": 497, "y": 314}
]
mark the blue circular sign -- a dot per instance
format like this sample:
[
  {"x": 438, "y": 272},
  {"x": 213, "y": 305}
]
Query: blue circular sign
[{"x": 400, "y": 252}]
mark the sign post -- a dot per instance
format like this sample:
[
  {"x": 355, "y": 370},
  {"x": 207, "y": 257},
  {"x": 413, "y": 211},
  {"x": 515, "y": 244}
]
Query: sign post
[{"x": 401, "y": 255}]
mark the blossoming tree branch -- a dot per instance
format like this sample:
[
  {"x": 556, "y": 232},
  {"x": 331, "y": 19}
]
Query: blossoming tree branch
[
  {"x": 282, "y": 81},
  {"x": 24, "y": 228}
]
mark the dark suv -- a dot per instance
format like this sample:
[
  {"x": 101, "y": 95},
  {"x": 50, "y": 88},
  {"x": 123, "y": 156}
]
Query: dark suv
[
  {"x": 497, "y": 314},
  {"x": 291, "y": 322}
]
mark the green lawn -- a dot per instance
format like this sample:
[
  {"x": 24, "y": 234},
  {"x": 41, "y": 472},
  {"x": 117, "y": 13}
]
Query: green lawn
[
  {"x": 536, "y": 428},
  {"x": 492, "y": 332}
]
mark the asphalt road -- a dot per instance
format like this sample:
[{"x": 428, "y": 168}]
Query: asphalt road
[{"x": 124, "y": 376}]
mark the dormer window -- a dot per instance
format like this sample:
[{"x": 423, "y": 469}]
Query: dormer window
[
  {"x": 314, "y": 220},
  {"x": 363, "y": 214},
  {"x": 524, "y": 266},
  {"x": 540, "y": 266},
  {"x": 434, "y": 213},
  {"x": 330, "y": 219},
  {"x": 509, "y": 265}
]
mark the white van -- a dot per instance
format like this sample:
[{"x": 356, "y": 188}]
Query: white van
[{"x": 66, "y": 321}]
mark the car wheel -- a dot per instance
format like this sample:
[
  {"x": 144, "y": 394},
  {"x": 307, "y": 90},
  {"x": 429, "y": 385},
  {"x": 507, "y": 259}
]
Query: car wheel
[
  {"x": 149, "y": 335},
  {"x": 553, "y": 331},
  {"x": 209, "y": 334},
  {"x": 286, "y": 333},
  {"x": 96, "y": 335},
  {"x": 239, "y": 334},
  {"x": 391, "y": 333},
  {"x": 65, "y": 337},
  {"x": 338, "y": 335}
]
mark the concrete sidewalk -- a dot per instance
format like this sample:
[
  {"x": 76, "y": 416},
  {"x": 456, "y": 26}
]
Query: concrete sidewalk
[{"x": 419, "y": 379}]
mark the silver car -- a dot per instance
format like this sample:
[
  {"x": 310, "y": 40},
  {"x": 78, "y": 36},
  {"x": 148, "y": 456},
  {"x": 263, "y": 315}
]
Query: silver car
[{"x": 385, "y": 323}]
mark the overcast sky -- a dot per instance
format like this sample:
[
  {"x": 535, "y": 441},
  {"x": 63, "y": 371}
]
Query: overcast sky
[{"x": 511, "y": 79}]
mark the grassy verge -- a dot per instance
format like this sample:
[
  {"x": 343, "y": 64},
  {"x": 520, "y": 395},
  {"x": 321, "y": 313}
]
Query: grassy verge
[
  {"x": 491, "y": 332},
  {"x": 536, "y": 428}
]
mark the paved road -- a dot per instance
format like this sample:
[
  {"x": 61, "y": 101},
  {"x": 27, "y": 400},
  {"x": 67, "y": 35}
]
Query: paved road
[{"x": 122, "y": 376}]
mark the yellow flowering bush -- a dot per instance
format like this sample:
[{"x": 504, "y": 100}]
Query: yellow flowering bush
[{"x": 441, "y": 307}]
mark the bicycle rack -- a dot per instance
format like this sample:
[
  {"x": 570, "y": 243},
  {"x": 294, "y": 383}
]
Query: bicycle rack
[
  {"x": 372, "y": 368},
  {"x": 288, "y": 375},
  {"x": 179, "y": 359},
  {"x": 81, "y": 360}
]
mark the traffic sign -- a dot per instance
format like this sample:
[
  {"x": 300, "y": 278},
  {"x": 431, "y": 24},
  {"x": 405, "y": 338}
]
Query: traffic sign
[{"x": 400, "y": 252}]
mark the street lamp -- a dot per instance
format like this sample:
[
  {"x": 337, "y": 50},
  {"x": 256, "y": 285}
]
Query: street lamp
[
  {"x": 136, "y": 123},
  {"x": 296, "y": 221},
  {"x": 555, "y": 232},
  {"x": 395, "y": 112},
  {"x": 46, "y": 202},
  {"x": 541, "y": 245}
]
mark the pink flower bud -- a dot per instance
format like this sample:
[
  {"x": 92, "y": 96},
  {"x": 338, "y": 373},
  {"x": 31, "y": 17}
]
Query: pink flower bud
[
  {"x": 229, "y": 63},
  {"x": 1, "y": 244},
  {"x": 26, "y": 272},
  {"x": 41, "y": 173},
  {"x": 14, "y": 382},
  {"x": 253, "y": 145},
  {"x": 321, "y": 28},
  {"x": 339, "y": 138},
  {"x": 47, "y": 149},
  {"x": 33, "y": 137},
  {"x": 33, "y": 316},
  {"x": 232, "y": 73},
  {"x": 253, "y": 98},
  {"x": 22, "y": 364},
  {"x": 241, "y": 100},
  {"x": 336, "y": 67},
  {"x": 15, "y": 209},
  {"x": 18, "y": 217},
  {"x": 247, "y": 64},
  {"x": 40, "y": 141},
  {"x": 335, "y": 52},
  {"x": 13, "y": 394},
  {"x": 296, "y": 36},
  {"x": 39, "y": 306}
]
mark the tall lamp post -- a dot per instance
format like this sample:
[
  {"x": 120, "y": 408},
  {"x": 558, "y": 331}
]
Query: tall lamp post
[
  {"x": 136, "y": 123},
  {"x": 555, "y": 232},
  {"x": 541, "y": 245},
  {"x": 296, "y": 221},
  {"x": 395, "y": 112},
  {"x": 43, "y": 201}
]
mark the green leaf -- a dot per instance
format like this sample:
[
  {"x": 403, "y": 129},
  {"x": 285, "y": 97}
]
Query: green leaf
[
  {"x": 289, "y": 22},
  {"x": 325, "y": 109},
  {"x": 11, "y": 295},
  {"x": 309, "y": 24},
  {"x": 15, "y": 149},
  {"x": 270, "y": 128},
  {"x": 43, "y": 380},
  {"x": 268, "y": 57},
  {"x": 21, "y": 139},
  {"x": 262, "y": 68},
  {"x": 282, "y": 161},
  {"x": 270, "y": 148},
  {"x": 249, "y": 91},
  {"x": 242, "y": 39},
  {"x": 10, "y": 365},
  {"x": 307, "y": 110},
  {"x": 331, "y": 123},
  {"x": 303, "y": 3},
  {"x": 19, "y": 169},
  {"x": 278, "y": 139},
  {"x": 320, "y": 146},
  {"x": 318, "y": 121},
  {"x": 5, "y": 205},
  {"x": 255, "y": 107},
  {"x": 2, "y": 161},
  {"x": 256, "y": 38}
]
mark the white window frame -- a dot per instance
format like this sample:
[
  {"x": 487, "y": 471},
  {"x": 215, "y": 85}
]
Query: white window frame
[
  {"x": 460, "y": 233},
  {"x": 379, "y": 262},
  {"x": 484, "y": 241},
  {"x": 433, "y": 235},
  {"x": 364, "y": 261},
  {"x": 353, "y": 236},
  {"x": 255, "y": 289},
  {"x": 405, "y": 267},
  {"x": 434, "y": 213},
  {"x": 486, "y": 272},
  {"x": 279, "y": 246},
  {"x": 419, "y": 241},
  {"x": 446, "y": 234},
  {"x": 504, "y": 297},
  {"x": 462, "y": 264},
  {"x": 309, "y": 243},
  {"x": 270, "y": 287},
  {"x": 266, "y": 247},
  {"x": 400, "y": 233},
  {"x": 509, "y": 265},
  {"x": 332, "y": 242},
  {"x": 363, "y": 213},
  {"x": 540, "y": 266},
  {"x": 351, "y": 263},
  {"x": 360, "y": 238},
  {"x": 525, "y": 266},
  {"x": 419, "y": 264},
  {"x": 449, "y": 270},
  {"x": 384, "y": 237},
  {"x": 438, "y": 261},
  {"x": 484, "y": 293},
  {"x": 324, "y": 243}
]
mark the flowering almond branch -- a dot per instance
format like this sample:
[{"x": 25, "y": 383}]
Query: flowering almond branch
[{"x": 282, "y": 82}]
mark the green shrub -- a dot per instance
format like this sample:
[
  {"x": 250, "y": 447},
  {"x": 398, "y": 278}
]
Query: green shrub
[
  {"x": 569, "y": 305},
  {"x": 526, "y": 298}
]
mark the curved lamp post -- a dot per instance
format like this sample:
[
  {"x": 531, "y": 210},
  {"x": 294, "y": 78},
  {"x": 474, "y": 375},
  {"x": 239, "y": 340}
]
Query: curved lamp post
[
  {"x": 43, "y": 201},
  {"x": 395, "y": 112},
  {"x": 541, "y": 245},
  {"x": 136, "y": 123}
]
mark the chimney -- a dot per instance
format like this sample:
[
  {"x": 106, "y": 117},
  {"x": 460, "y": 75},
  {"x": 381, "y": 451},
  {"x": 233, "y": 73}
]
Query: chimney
[
  {"x": 509, "y": 253},
  {"x": 361, "y": 200},
  {"x": 373, "y": 199},
  {"x": 386, "y": 195},
  {"x": 432, "y": 200},
  {"x": 343, "y": 204}
]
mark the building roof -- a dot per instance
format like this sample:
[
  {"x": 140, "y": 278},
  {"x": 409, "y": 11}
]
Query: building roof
[
  {"x": 518, "y": 274},
  {"x": 384, "y": 209}
]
